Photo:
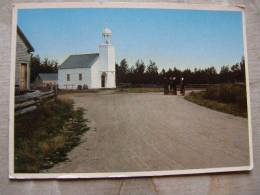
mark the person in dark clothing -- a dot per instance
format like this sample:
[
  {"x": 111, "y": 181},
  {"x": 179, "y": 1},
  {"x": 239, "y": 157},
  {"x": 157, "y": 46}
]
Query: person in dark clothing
[
  {"x": 166, "y": 86},
  {"x": 171, "y": 85},
  {"x": 182, "y": 86},
  {"x": 174, "y": 86}
]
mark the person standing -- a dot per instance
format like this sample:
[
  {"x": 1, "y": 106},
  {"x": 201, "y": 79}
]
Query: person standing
[
  {"x": 182, "y": 86},
  {"x": 166, "y": 85},
  {"x": 174, "y": 86},
  {"x": 171, "y": 85}
]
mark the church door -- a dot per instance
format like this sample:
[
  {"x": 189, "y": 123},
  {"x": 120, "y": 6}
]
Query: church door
[{"x": 103, "y": 80}]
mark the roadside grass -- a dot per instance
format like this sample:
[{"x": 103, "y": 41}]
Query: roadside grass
[
  {"x": 139, "y": 90},
  {"x": 230, "y": 108},
  {"x": 45, "y": 136},
  {"x": 73, "y": 91}
]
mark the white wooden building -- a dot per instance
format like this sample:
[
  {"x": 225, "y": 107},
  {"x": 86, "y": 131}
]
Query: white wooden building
[{"x": 94, "y": 70}]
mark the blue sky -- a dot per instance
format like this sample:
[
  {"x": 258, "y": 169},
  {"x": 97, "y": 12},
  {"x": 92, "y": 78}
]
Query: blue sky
[{"x": 180, "y": 38}]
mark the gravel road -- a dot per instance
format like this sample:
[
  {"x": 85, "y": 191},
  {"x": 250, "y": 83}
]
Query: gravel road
[{"x": 150, "y": 131}]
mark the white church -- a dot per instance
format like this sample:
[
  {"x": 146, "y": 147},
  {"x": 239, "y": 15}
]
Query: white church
[{"x": 93, "y": 70}]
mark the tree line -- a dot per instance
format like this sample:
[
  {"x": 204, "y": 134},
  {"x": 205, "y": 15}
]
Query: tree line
[
  {"x": 42, "y": 66},
  {"x": 141, "y": 73},
  {"x": 149, "y": 74}
]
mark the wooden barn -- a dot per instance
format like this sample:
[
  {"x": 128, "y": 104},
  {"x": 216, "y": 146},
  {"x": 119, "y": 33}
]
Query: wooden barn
[{"x": 24, "y": 51}]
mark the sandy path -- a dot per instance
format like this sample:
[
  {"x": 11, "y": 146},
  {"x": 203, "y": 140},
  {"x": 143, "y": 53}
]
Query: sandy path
[{"x": 150, "y": 131}]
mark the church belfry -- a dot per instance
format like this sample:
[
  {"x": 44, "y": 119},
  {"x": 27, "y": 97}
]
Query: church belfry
[{"x": 107, "y": 35}]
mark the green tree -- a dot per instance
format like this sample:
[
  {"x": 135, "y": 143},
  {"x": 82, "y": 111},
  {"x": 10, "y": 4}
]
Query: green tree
[
  {"x": 121, "y": 71},
  {"x": 139, "y": 72},
  {"x": 42, "y": 66},
  {"x": 152, "y": 73},
  {"x": 35, "y": 67}
]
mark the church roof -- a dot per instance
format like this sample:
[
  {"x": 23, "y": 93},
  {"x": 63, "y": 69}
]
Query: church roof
[
  {"x": 106, "y": 31},
  {"x": 49, "y": 76},
  {"x": 79, "y": 61}
]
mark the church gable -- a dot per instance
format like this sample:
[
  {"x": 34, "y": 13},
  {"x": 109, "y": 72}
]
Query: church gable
[{"x": 79, "y": 61}]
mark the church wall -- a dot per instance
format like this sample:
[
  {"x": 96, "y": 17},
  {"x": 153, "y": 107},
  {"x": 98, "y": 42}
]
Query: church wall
[
  {"x": 111, "y": 59},
  {"x": 111, "y": 81},
  {"x": 97, "y": 70},
  {"x": 103, "y": 58},
  {"x": 107, "y": 57},
  {"x": 96, "y": 75},
  {"x": 74, "y": 78}
]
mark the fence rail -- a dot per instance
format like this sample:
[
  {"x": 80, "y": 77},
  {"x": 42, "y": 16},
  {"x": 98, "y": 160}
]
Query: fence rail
[{"x": 30, "y": 101}]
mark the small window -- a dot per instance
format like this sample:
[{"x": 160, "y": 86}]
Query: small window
[
  {"x": 68, "y": 77},
  {"x": 80, "y": 76}
]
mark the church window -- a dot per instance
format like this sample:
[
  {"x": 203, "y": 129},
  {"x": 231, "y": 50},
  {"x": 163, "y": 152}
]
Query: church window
[
  {"x": 80, "y": 76},
  {"x": 68, "y": 77}
]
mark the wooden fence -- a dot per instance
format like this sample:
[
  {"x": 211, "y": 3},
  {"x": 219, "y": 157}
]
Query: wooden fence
[{"x": 29, "y": 101}]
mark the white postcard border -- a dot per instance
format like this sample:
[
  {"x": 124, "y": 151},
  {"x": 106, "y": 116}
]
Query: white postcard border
[{"x": 151, "y": 5}]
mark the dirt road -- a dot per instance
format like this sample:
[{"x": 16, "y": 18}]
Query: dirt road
[{"x": 150, "y": 131}]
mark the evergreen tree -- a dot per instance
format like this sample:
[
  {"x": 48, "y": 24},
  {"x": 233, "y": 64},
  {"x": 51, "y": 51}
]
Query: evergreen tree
[{"x": 45, "y": 66}]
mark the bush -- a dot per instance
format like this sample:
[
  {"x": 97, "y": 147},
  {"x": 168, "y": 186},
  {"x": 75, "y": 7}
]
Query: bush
[
  {"x": 227, "y": 93},
  {"x": 235, "y": 108}
]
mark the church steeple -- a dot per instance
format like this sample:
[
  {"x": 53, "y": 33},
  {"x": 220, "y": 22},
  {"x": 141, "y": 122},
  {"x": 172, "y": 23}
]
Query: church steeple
[
  {"x": 107, "y": 35},
  {"x": 107, "y": 77}
]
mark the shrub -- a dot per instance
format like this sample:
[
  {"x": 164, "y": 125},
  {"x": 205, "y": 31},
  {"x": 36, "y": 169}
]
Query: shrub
[{"x": 228, "y": 93}]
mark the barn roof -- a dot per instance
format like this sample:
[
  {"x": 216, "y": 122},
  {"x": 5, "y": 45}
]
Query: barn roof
[
  {"x": 79, "y": 61},
  {"x": 48, "y": 76},
  {"x": 25, "y": 40}
]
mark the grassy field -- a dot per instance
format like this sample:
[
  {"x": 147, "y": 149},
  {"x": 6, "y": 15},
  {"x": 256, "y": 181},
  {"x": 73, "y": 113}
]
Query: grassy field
[
  {"x": 226, "y": 98},
  {"x": 44, "y": 136}
]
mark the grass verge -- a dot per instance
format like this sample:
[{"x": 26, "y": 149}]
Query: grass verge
[
  {"x": 45, "y": 136},
  {"x": 139, "y": 90},
  {"x": 230, "y": 108}
]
